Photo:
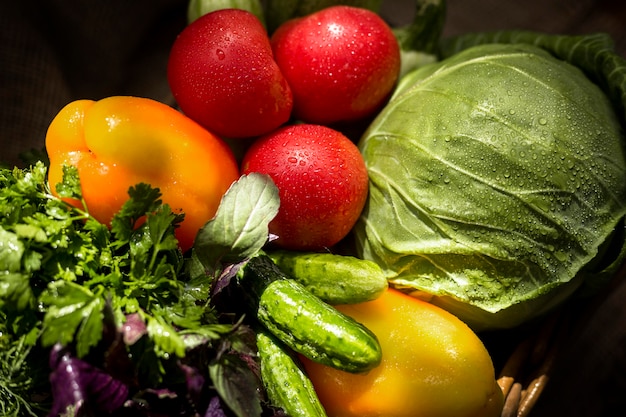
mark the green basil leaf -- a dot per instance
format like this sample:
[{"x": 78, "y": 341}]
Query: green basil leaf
[
  {"x": 240, "y": 227},
  {"x": 237, "y": 385}
]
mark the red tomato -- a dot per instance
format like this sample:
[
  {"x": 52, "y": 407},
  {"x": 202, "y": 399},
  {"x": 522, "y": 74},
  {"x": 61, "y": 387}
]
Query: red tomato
[
  {"x": 222, "y": 74},
  {"x": 321, "y": 179},
  {"x": 341, "y": 63}
]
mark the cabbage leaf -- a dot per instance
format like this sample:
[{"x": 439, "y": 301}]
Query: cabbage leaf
[
  {"x": 593, "y": 54},
  {"x": 496, "y": 177}
]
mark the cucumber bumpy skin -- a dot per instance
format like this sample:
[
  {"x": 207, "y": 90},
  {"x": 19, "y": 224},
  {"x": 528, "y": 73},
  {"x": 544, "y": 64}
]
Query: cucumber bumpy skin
[
  {"x": 336, "y": 279},
  {"x": 285, "y": 381},
  {"x": 304, "y": 322}
]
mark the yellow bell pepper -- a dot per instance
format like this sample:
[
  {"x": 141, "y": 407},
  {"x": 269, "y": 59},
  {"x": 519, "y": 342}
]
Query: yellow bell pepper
[
  {"x": 120, "y": 141},
  {"x": 433, "y": 365}
]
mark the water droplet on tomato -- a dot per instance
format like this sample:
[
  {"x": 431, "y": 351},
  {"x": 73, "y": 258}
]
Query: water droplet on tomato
[{"x": 220, "y": 54}]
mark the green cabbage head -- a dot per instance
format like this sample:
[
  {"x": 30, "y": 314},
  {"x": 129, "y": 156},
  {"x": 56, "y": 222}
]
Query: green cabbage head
[{"x": 497, "y": 181}]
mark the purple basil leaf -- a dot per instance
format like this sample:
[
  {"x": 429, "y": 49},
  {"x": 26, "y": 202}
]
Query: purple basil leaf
[
  {"x": 229, "y": 271},
  {"x": 133, "y": 328},
  {"x": 77, "y": 384},
  {"x": 215, "y": 408},
  {"x": 162, "y": 393},
  {"x": 243, "y": 341},
  {"x": 195, "y": 382}
]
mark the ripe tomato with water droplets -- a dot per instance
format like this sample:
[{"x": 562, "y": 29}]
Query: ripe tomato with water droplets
[
  {"x": 222, "y": 74},
  {"x": 321, "y": 179},
  {"x": 341, "y": 63}
]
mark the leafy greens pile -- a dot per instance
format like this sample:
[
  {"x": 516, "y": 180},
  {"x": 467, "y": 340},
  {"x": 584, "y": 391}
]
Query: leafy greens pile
[
  {"x": 498, "y": 175},
  {"x": 117, "y": 320}
]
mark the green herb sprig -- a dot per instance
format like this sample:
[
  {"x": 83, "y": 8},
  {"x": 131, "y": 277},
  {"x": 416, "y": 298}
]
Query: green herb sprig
[{"x": 68, "y": 284}]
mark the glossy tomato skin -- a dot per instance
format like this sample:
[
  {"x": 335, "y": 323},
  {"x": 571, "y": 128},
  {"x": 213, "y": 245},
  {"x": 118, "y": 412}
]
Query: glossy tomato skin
[
  {"x": 322, "y": 183},
  {"x": 433, "y": 365},
  {"x": 222, "y": 74},
  {"x": 341, "y": 63}
]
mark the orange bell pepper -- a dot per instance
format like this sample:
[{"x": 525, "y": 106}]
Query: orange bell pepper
[{"x": 121, "y": 141}]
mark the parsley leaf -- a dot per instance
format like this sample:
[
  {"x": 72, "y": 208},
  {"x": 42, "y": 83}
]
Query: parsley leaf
[
  {"x": 70, "y": 186},
  {"x": 73, "y": 312}
]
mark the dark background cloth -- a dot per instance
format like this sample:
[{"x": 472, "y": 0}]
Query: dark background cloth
[{"x": 56, "y": 51}]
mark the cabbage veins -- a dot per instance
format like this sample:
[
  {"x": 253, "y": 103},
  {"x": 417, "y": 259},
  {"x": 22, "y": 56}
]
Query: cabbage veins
[{"x": 495, "y": 177}]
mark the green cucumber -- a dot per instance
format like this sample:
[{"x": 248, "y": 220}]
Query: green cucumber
[
  {"x": 304, "y": 322},
  {"x": 285, "y": 381},
  {"x": 336, "y": 279}
]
